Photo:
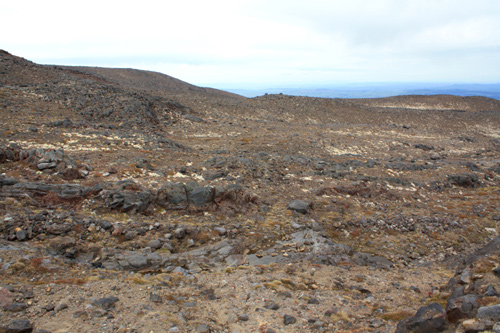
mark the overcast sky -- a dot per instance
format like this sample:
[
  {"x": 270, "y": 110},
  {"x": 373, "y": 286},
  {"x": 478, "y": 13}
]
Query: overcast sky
[{"x": 257, "y": 43}]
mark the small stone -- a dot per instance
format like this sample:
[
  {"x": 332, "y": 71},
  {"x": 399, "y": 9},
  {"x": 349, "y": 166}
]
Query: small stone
[
  {"x": 435, "y": 157},
  {"x": 49, "y": 307},
  {"x": 317, "y": 226},
  {"x": 331, "y": 312},
  {"x": 415, "y": 289},
  {"x": 235, "y": 260},
  {"x": 496, "y": 271},
  {"x": 106, "y": 302},
  {"x": 473, "y": 325},
  {"x": 313, "y": 301},
  {"x": 285, "y": 294},
  {"x": 61, "y": 306},
  {"x": 272, "y": 306},
  {"x": 180, "y": 269},
  {"x": 155, "y": 244},
  {"x": 221, "y": 230},
  {"x": 16, "y": 307},
  {"x": 491, "y": 291},
  {"x": 167, "y": 246},
  {"x": 458, "y": 292},
  {"x": 155, "y": 298},
  {"x": 44, "y": 166},
  {"x": 21, "y": 235},
  {"x": 289, "y": 320},
  {"x": 179, "y": 233},
  {"x": 465, "y": 277},
  {"x": 203, "y": 328},
  {"x": 318, "y": 324},
  {"x": 243, "y": 317},
  {"x": 297, "y": 226},
  {"x": 129, "y": 235},
  {"x": 194, "y": 268}
]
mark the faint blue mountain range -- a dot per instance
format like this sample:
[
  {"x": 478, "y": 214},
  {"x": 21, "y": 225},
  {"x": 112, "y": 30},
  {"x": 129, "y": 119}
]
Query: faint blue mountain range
[{"x": 380, "y": 90}]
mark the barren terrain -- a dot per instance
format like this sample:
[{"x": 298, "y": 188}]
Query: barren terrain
[{"x": 131, "y": 201}]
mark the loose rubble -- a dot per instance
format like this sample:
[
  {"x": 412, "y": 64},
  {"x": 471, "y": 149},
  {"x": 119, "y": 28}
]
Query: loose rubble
[{"x": 189, "y": 209}]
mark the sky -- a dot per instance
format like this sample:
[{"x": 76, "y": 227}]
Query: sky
[{"x": 258, "y": 44}]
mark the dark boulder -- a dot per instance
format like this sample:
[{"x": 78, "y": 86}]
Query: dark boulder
[
  {"x": 7, "y": 181},
  {"x": 17, "y": 326},
  {"x": 464, "y": 180},
  {"x": 60, "y": 245},
  {"x": 428, "y": 319},
  {"x": 489, "y": 313},
  {"x": 289, "y": 320},
  {"x": 137, "y": 261},
  {"x": 201, "y": 196},
  {"x": 461, "y": 308},
  {"x": 127, "y": 196},
  {"x": 299, "y": 206},
  {"x": 172, "y": 196},
  {"x": 424, "y": 147},
  {"x": 472, "y": 166},
  {"x": 106, "y": 303}
]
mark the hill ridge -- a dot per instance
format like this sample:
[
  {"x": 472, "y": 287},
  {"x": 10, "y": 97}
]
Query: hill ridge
[{"x": 147, "y": 80}]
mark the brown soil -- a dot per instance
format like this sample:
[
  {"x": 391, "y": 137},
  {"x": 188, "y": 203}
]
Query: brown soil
[{"x": 380, "y": 176}]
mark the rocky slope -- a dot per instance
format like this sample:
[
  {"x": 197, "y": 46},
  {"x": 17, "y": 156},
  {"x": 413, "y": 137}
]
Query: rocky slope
[
  {"x": 149, "y": 81},
  {"x": 159, "y": 208}
]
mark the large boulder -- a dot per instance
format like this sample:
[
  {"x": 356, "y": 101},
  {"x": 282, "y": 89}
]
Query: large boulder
[
  {"x": 127, "y": 196},
  {"x": 6, "y": 298},
  {"x": 180, "y": 196},
  {"x": 461, "y": 308},
  {"x": 299, "y": 206},
  {"x": 467, "y": 180},
  {"x": 199, "y": 195},
  {"x": 61, "y": 245},
  {"x": 428, "y": 319},
  {"x": 130, "y": 201},
  {"x": 172, "y": 196},
  {"x": 489, "y": 313},
  {"x": 18, "y": 326}
]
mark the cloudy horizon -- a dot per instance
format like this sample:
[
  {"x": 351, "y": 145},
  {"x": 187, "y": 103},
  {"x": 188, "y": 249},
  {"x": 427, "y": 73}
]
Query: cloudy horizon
[{"x": 264, "y": 44}]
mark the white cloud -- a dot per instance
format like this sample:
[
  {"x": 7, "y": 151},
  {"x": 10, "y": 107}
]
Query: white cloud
[{"x": 271, "y": 42}]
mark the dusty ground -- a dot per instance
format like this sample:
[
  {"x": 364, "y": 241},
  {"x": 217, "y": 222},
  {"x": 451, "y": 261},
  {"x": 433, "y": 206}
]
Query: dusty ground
[{"x": 397, "y": 191}]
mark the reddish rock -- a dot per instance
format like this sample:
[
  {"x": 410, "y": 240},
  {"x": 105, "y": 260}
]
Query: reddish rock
[{"x": 6, "y": 298}]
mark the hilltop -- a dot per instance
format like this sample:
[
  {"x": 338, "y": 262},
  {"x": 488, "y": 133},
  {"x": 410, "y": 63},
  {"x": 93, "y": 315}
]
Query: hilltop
[{"x": 131, "y": 201}]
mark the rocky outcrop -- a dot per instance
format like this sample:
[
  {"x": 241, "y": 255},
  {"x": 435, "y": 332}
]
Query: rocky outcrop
[
  {"x": 465, "y": 308},
  {"x": 53, "y": 161}
]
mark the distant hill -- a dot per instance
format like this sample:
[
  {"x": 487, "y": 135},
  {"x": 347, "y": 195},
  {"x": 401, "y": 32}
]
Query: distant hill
[
  {"x": 381, "y": 90},
  {"x": 148, "y": 81}
]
